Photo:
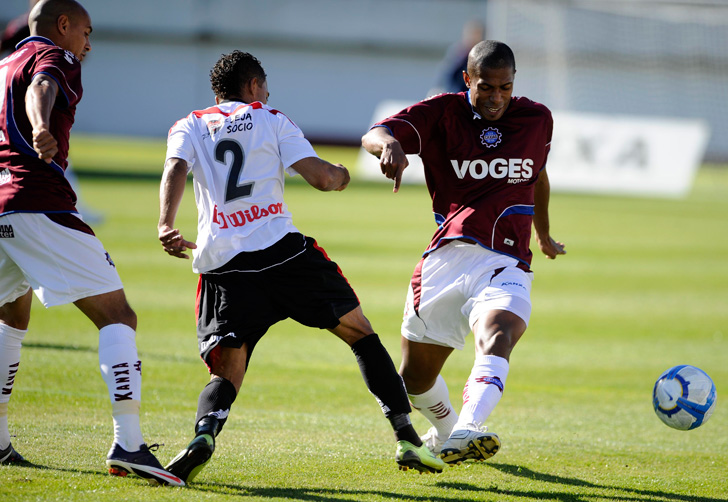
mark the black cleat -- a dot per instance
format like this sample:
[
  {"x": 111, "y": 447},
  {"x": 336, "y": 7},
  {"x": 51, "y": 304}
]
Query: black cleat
[{"x": 193, "y": 459}]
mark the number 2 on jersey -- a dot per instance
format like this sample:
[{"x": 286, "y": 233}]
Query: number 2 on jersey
[{"x": 234, "y": 189}]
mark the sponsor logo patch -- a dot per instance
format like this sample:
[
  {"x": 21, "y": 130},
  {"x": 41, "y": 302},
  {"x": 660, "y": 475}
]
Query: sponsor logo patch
[
  {"x": 516, "y": 170},
  {"x": 215, "y": 125},
  {"x": 5, "y": 176},
  {"x": 6, "y": 232},
  {"x": 491, "y": 380},
  {"x": 490, "y": 137}
]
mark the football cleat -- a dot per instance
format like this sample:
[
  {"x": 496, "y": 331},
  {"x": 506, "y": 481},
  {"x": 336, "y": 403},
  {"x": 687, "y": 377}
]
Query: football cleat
[
  {"x": 142, "y": 463},
  {"x": 10, "y": 456},
  {"x": 432, "y": 440},
  {"x": 417, "y": 457},
  {"x": 190, "y": 461},
  {"x": 473, "y": 443}
]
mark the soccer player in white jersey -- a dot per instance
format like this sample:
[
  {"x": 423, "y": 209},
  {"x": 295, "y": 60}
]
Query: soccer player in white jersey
[
  {"x": 255, "y": 267},
  {"x": 44, "y": 245},
  {"x": 484, "y": 153}
]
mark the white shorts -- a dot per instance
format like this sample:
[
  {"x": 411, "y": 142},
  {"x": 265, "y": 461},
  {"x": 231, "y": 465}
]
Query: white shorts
[
  {"x": 61, "y": 264},
  {"x": 455, "y": 285}
]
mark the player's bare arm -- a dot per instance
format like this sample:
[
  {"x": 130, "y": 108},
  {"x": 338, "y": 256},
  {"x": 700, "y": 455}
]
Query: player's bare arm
[
  {"x": 322, "y": 175},
  {"x": 548, "y": 245},
  {"x": 172, "y": 188},
  {"x": 392, "y": 159},
  {"x": 39, "y": 101}
]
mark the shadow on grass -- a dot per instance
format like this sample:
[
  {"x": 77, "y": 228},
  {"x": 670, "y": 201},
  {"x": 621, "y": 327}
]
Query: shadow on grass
[
  {"x": 57, "y": 346},
  {"x": 629, "y": 494},
  {"x": 465, "y": 492},
  {"x": 322, "y": 494},
  {"x": 81, "y": 348}
]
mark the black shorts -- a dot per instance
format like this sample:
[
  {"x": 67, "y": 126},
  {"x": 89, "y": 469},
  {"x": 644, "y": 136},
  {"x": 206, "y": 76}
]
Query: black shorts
[{"x": 239, "y": 301}]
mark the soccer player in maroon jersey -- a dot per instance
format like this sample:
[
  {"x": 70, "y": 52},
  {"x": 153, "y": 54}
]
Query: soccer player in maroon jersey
[
  {"x": 44, "y": 245},
  {"x": 484, "y": 154}
]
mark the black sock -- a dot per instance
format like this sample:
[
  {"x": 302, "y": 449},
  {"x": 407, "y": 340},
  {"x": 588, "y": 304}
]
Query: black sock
[
  {"x": 384, "y": 382},
  {"x": 403, "y": 429},
  {"x": 215, "y": 402}
]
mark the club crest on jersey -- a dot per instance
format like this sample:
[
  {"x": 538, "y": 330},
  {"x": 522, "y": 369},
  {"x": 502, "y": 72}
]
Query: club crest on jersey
[
  {"x": 215, "y": 125},
  {"x": 490, "y": 137},
  {"x": 70, "y": 56}
]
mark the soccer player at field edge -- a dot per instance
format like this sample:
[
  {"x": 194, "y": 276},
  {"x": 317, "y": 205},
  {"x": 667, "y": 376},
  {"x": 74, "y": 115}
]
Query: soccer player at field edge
[
  {"x": 255, "y": 267},
  {"x": 44, "y": 245},
  {"x": 484, "y": 154}
]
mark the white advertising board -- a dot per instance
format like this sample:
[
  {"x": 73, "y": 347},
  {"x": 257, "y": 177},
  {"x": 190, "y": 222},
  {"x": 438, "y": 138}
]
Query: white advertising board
[{"x": 609, "y": 154}]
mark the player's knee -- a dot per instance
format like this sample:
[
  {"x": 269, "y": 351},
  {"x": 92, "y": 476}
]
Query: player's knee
[
  {"x": 353, "y": 327},
  {"x": 500, "y": 343}
]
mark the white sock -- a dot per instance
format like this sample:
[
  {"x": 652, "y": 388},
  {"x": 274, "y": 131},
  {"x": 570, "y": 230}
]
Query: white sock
[
  {"x": 435, "y": 405},
  {"x": 11, "y": 340},
  {"x": 483, "y": 390},
  {"x": 121, "y": 370}
]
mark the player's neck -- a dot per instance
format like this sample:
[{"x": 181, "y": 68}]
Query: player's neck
[{"x": 233, "y": 99}]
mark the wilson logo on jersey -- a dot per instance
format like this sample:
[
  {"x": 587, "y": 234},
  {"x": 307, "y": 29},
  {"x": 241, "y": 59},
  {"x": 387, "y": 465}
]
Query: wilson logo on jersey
[
  {"x": 239, "y": 218},
  {"x": 516, "y": 170}
]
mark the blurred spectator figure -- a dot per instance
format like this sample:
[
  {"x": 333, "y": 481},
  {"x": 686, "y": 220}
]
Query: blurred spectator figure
[
  {"x": 16, "y": 31},
  {"x": 450, "y": 70}
]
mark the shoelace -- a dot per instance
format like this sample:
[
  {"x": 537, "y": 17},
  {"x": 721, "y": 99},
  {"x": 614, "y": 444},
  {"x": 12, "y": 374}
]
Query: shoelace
[{"x": 478, "y": 426}]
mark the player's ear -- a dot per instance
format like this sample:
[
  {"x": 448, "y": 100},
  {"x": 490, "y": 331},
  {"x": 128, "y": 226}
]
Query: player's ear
[
  {"x": 248, "y": 90},
  {"x": 466, "y": 79},
  {"x": 62, "y": 24}
]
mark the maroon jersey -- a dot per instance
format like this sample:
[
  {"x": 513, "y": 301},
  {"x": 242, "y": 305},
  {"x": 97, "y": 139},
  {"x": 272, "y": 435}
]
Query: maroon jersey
[
  {"x": 27, "y": 183},
  {"x": 480, "y": 174}
]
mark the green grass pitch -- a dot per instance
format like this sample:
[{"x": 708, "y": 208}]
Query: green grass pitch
[{"x": 644, "y": 286}]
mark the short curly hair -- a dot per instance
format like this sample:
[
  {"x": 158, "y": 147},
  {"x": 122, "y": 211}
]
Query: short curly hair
[{"x": 232, "y": 71}]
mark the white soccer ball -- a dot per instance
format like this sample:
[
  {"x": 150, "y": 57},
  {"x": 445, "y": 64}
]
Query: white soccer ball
[{"x": 684, "y": 397}]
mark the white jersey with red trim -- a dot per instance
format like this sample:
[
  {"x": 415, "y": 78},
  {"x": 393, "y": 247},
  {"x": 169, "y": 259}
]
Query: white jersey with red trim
[{"x": 237, "y": 153}]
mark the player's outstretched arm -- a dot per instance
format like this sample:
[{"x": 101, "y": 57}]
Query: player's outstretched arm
[
  {"x": 548, "y": 246},
  {"x": 392, "y": 159},
  {"x": 39, "y": 101},
  {"x": 171, "y": 190},
  {"x": 322, "y": 175}
]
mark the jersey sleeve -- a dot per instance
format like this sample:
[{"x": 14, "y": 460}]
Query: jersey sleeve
[
  {"x": 414, "y": 125},
  {"x": 549, "y": 124},
  {"x": 292, "y": 145},
  {"x": 65, "y": 69},
  {"x": 179, "y": 144}
]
